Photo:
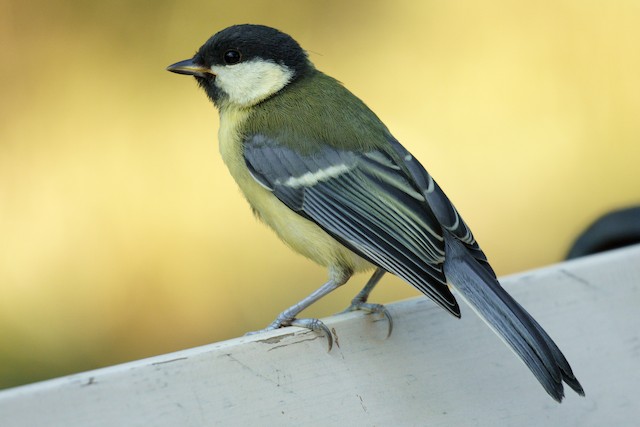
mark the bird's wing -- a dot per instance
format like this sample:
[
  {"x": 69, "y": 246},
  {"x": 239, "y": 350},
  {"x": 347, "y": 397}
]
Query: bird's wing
[
  {"x": 445, "y": 212},
  {"x": 369, "y": 201}
]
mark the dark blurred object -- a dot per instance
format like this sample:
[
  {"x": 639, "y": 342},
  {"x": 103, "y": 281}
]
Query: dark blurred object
[{"x": 613, "y": 230}]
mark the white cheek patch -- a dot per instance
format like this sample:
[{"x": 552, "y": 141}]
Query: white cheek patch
[{"x": 248, "y": 83}]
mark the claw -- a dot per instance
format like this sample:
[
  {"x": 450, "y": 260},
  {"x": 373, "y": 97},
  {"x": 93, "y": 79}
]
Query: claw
[
  {"x": 373, "y": 308},
  {"x": 315, "y": 325},
  {"x": 276, "y": 324}
]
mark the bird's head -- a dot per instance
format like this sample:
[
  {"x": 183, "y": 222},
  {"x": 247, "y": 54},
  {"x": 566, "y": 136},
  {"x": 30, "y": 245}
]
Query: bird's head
[{"x": 245, "y": 64}]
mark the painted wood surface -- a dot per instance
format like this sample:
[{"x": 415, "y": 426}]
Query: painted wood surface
[{"x": 434, "y": 370}]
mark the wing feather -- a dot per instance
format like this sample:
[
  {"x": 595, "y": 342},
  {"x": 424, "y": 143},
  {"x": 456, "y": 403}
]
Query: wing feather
[{"x": 367, "y": 201}]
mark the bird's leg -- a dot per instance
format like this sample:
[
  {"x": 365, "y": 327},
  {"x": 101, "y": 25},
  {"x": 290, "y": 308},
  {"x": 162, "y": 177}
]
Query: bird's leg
[
  {"x": 337, "y": 278},
  {"x": 363, "y": 295},
  {"x": 359, "y": 302}
]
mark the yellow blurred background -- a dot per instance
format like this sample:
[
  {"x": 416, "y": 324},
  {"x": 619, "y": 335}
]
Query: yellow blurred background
[{"x": 122, "y": 235}]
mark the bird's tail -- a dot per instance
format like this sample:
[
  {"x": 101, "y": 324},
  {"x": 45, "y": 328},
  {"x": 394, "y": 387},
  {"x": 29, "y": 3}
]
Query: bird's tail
[{"x": 481, "y": 290}]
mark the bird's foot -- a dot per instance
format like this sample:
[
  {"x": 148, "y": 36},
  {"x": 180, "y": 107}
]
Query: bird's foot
[
  {"x": 315, "y": 325},
  {"x": 372, "y": 309}
]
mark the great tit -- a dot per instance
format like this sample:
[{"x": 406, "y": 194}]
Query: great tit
[{"x": 321, "y": 169}]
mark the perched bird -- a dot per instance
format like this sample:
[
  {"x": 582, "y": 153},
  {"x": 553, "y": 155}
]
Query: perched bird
[{"x": 321, "y": 169}]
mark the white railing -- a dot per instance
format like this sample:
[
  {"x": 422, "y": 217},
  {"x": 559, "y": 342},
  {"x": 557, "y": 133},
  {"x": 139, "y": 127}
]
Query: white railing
[{"x": 434, "y": 370}]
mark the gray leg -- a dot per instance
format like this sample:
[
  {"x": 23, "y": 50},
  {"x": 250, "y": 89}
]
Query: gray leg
[
  {"x": 337, "y": 278},
  {"x": 363, "y": 295},
  {"x": 359, "y": 302}
]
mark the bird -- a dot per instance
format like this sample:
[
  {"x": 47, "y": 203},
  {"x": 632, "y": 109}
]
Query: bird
[{"x": 324, "y": 172}]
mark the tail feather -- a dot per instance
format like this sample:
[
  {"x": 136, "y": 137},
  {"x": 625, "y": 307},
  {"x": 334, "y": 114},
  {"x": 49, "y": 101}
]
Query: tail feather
[{"x": 482, "y": 291}]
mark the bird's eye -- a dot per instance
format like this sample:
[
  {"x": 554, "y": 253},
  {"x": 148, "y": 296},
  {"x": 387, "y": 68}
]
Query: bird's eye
[{"x": 232, "y": 56}]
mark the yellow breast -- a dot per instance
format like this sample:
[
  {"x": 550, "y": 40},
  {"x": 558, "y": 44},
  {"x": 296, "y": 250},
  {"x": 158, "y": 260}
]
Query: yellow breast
[{"x": 300, "y": 234}]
